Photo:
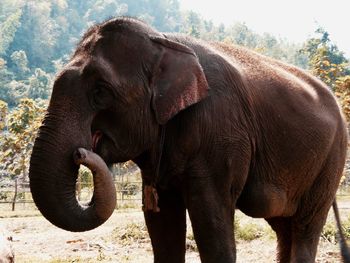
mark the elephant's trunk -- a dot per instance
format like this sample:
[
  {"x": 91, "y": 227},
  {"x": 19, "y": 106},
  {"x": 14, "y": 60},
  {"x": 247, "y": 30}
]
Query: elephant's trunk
[
  {"x": 104, "y": 201},
  {"x": 53, "y": 173}
]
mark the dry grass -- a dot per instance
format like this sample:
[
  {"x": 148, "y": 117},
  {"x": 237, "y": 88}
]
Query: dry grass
[{"x": 123, "y": 238}]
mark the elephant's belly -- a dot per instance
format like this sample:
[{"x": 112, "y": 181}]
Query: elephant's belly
[{"x": 264, "y": 201}]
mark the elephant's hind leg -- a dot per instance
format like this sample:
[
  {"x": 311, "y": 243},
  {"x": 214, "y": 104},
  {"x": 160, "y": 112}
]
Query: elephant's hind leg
[
  {"x": 297, "y": 240},
  {"x": 283, "y": 228},
  {"x": 308, "y": 221},
  {"x": 167, "y": 228},
  {"x": 305, "y": 239}
]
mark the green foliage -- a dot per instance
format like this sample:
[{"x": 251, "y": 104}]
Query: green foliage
[
  {"x": 20, "y": 62},
  {"x": 252, "y": 231},
  {"x": 330, "y": 231},
  {"x": 40, "y": 84},
  {"x": 325, "y": 60},
  {"x": 17, "y": 142},
  {"x": 85, "y": 177},
  {"x": 240, "y": 34},
  {"x": 342, "y": 91},
  {"x": 5, "y": 77},
  {"x": 39, "y": 28},
  {"x": 330, "y": 65},
  {"x": 3, "y": 114},
  {"x": 38, "y": 36},
  {"x": 13, "y": 91},
  {"x": 8, "y": 29},
  {"x": 247, "y": 232},
  {"x": 194, "y": 22}
]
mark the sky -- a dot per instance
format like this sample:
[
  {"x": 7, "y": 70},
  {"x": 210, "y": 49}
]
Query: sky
[{"x": 294, "y": 20}]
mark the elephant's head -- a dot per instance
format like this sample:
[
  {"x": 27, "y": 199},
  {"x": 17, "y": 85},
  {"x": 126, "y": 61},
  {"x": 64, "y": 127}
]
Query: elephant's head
[{"x": 123, "y": 82}]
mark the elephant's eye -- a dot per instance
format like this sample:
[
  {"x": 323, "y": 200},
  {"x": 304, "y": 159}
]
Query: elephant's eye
[
  {"x": 99, "y": 92},
  {"x": 102, "y": 96}
]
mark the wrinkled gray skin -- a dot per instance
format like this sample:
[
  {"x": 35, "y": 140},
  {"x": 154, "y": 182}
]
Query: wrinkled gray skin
[{"x": 241, "y": 131}]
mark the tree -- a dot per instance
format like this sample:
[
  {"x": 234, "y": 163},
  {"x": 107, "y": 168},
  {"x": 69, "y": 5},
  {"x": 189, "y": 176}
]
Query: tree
[
  {"x": 242, "y": 35},
  {"x": 13, "y": 91},
  {"x": 17, "y": 142},
  {"x": 5, "y": 77},
  {"x": 40, "y": 84},
  {"x": 3, "y": 114},
  {"x": 8, "y": 30},
  {"x": 330, "y": 65},
  {"x": 37, "y": 34},
  {"x": 221, "y": 32},
  {"x": 105, "y": 8},
  {"x": 20, "y": 62},
  {"x": 194, "y": 24},
  {"x": 325, "y": 60},
  {"x": 342, "y": 91}
]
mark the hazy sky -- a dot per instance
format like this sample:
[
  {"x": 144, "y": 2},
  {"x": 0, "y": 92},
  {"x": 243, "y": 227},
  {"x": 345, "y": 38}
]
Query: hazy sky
[{"x": 295, "y": 20}]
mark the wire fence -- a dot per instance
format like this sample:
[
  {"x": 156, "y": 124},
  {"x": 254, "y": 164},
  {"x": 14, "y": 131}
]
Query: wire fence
[{"x": 16, "y": 195}]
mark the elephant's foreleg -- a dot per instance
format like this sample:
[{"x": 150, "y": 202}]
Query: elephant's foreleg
[
  {"x": 211, "y": 213},
  {"x": 167, "y": 228}
]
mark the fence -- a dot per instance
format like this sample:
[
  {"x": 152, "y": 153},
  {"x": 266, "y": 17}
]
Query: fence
[{"x": 16, "y": 195}]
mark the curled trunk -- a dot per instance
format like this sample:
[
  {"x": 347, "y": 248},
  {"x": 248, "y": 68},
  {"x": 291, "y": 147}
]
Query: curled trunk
[
  {"x": 103, "y": 202},
  {"x": 53, "y": 175}
]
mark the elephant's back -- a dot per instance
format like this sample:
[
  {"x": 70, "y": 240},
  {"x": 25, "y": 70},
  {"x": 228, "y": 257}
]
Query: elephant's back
[{"x": 282, "y": 88}]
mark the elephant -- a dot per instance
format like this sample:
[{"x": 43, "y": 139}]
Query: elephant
[{"x": 213, "y": 127}]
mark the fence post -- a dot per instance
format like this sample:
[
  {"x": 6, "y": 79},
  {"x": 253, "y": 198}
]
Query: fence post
[
  {"x": 123, "y": 186},
  {"x": 14, "y": 197},
  {"x": 78, "y": 187}
]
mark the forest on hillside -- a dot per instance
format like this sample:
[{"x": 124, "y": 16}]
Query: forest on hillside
[{"x": 37, "y": 37}]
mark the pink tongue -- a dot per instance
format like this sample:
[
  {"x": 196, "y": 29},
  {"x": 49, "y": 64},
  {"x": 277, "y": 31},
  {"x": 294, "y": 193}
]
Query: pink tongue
[{"x": 95, "y": 138}]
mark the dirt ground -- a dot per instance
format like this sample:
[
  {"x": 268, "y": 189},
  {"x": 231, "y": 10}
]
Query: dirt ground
[{"x": 123, "y": 238}]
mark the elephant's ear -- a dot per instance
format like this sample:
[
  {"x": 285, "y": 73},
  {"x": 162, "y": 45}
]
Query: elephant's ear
[{"x": 178, "y": 81}]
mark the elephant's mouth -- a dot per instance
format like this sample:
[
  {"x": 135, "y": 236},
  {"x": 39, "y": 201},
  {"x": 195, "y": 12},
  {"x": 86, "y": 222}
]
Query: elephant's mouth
[
  {"x": 107, "y": 147},
  {"x": 102, "y": 145},
  {"x": 96, "y": 137}
]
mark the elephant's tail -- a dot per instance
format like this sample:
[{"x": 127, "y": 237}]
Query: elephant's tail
[{"x": 345, "y": 252}]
